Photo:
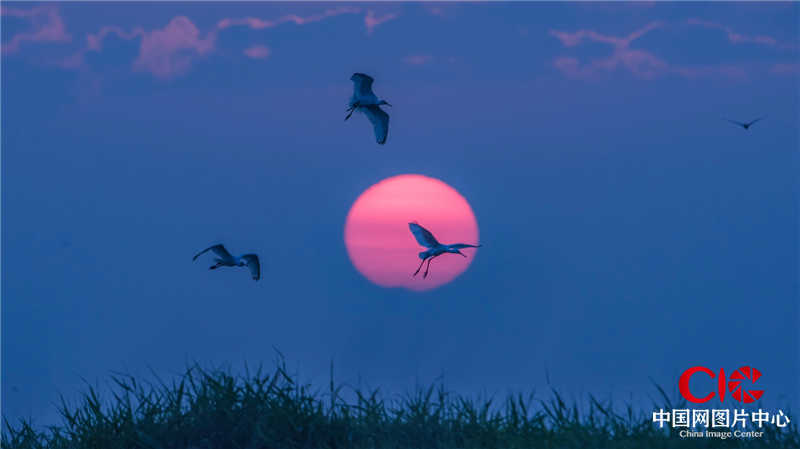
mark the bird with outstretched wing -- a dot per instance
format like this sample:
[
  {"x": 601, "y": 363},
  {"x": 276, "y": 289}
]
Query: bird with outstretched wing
[
  {"x": 254, "y": 265},
  {"x": 362, "y": 84},
  {"x": 424, "y": 237},
  {"x": 380, "y": 122},
  {"x": 365, "y": 100},
  {"x": 435, "y": 249},
  {"x": 225, "y": 259},
  {"x": 219, "y": 250},
  {"x": 745, "y": 125}
]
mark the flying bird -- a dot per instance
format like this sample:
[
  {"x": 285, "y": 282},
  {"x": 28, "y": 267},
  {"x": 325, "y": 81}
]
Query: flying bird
[
  {"x": 225, "y": 259},
  {"x": 364, "y": 100},
  {"x": 435, "y": 249},
  {"x": 745, "y": 125}
]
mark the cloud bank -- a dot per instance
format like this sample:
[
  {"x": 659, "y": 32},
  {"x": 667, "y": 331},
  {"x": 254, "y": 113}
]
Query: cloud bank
[
  {"x": 166, "y": 52},
  {"x": 47, "y": 26}
]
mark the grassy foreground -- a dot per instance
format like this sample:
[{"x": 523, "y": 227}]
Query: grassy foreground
[{"x": 208, "y": 409}]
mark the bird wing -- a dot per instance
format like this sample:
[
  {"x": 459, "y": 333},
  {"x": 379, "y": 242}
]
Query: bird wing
[
  {"x": 380, "y": 122},
  {"x": 463, "y": 245},
  {"x": 423, "y": 236},
  {"x": 362, "y": 84},
  {"x": 735, "y": 122},
  {"x": 760, "y": 118},
  {"x": 219, "y": 250},
  {"x": 254, "y": 265}
]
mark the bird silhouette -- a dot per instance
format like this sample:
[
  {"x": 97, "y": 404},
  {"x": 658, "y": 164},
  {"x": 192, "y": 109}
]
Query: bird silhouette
[
  {"x": 225, "y": 259},
  {"x": 435, "y": 249},
  {"x": 366, "y": 101},
  {"x": 747, "y": 125}
]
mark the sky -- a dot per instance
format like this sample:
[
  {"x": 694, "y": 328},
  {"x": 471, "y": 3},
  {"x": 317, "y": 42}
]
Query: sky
[{"x": 630, "y": 232}]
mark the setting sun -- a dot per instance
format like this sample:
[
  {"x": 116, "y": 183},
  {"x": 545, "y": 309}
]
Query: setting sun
[{"x": 380, "y": 244}]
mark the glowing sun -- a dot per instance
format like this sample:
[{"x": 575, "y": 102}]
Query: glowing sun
[{"x": 381, "y": 246}]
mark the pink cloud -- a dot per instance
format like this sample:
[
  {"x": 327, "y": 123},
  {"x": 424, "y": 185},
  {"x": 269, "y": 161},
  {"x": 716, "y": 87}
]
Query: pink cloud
[
  {"x": 258, "y": 52},
  {"x": 614, "y": 6},
  {"x": 166, "y": 52},
  {"x": 436, "y": 10},
  {"x": 371, "y": 21},
  {"x": 47, "y": 26},
  {"x": 573, "y": 39},
  {"x": 418, "y": 59},
  {"x": 19, "y": 13},
  {"x": 570, "y": 67},
  {"x": 640, "y": 63},
  {"x": 734, "y": 37},
  {"x": 260, "y": 24},
  {"x": 94, "y": 42},
  {"x": 443, "y": 10},
  {"x": 786, "y": 69},
  {"x": 251, "y": 22},
  {"x": 170, "y": 51}
]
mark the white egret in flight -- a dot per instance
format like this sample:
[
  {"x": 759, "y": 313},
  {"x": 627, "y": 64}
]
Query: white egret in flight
[
  {"x": 225, "y": 259},
  {"x": 364, "y": 100},
  {"x": 747, "y": 125},
  {"x": 435, "y": 249}
]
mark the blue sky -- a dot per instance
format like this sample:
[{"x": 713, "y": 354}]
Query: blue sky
[{"x": 630, "y": 232}]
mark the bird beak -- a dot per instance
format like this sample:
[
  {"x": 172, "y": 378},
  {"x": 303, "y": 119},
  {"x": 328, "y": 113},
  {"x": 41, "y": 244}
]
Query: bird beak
[{"x": 387, "y": 104}]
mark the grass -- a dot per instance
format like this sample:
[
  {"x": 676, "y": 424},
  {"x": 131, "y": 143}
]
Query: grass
[{"x": 212, "y": 408}]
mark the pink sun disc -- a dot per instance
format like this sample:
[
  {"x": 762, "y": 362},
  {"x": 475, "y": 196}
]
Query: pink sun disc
[{"x": 382, "y": 247}]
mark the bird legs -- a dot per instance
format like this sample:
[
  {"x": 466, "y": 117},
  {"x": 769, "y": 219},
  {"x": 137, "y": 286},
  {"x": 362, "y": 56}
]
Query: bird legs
[
  {"x": 350, "y": 110},
  {"x": 427, "y": 269},
  {"x": 215, "y": 266},
  {"x": 420, "y": 267}
]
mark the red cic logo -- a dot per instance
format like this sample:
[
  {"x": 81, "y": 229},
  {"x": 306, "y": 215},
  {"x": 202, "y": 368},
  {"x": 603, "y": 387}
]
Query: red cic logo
[{"x": 734, "y": 384}]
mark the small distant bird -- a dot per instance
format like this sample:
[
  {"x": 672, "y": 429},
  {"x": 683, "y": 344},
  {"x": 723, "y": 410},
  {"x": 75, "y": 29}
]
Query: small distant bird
[
  {"x": 435, "y": 249},
  {"x": 747, "y": 125},
  {"x": 225, "y": 259},
  {"x": 364, "y": 100}
]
